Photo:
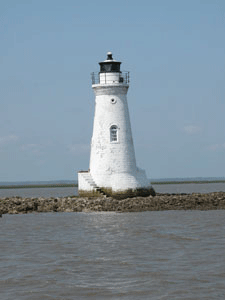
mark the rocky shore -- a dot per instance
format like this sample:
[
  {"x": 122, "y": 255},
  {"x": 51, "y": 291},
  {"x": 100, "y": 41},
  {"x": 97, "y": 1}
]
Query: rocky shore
[{"x": 18, "y": 205}]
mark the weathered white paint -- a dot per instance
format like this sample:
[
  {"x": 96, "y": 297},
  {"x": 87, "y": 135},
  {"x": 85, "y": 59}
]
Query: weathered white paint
[
  {"x": 112, "y": 164},
  {"x": 109, "y": 78},
  {"x": 86, "y": 182}
]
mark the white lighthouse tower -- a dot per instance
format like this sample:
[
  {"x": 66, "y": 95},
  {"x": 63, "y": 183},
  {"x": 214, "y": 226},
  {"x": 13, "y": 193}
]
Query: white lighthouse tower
[{"x": 112, "y": 160}]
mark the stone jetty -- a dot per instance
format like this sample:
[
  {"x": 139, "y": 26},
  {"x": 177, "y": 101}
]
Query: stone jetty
[{"x": 159, "y": 202}]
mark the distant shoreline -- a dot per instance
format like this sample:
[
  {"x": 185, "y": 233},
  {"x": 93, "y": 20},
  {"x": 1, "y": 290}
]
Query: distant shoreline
[
  {"x": 188, "y": 181},
  {"x": 60, "y": 185},
  {"x": 28, "y": 186}
]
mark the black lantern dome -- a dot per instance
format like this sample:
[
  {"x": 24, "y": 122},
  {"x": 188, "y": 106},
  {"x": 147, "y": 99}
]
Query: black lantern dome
[{"x": 109, "y": 65}]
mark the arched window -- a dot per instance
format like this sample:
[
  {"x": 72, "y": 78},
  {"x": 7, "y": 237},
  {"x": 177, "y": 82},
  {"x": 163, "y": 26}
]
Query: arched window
[{"x": 113, "y": 133}]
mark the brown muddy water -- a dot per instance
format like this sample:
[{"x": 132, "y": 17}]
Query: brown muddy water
[
  {"x": 159, "y": 188},
  {"x": 151, "y": 255}
]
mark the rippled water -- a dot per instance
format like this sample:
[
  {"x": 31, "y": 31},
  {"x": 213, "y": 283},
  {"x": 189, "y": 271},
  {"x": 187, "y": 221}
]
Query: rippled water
[
  {"x": 151, "y": 255},
  {"x": 69, "y": 191}
]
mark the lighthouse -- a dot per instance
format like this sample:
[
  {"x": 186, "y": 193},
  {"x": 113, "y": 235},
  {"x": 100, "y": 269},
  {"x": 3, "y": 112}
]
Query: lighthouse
[{"x": 113, "y": 168}]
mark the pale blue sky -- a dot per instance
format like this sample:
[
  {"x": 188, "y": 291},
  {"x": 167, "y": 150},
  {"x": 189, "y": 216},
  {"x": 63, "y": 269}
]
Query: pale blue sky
[{"x": 175, "y": 52}]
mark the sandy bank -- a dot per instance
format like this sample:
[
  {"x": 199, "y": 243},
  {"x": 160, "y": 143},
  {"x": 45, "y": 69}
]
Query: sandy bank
[{"x": 18, "y": 205}]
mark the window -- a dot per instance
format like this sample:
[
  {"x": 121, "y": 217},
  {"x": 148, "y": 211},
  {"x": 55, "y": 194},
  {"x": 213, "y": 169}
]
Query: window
[{"x": 113, "y": 133}]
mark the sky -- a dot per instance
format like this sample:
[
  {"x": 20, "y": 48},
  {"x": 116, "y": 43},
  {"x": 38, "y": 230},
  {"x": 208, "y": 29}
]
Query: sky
[{"x": 175, "y": 52}]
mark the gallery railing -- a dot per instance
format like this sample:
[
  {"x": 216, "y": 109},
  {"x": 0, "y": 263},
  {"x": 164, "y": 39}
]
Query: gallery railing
[{"x": 110, "y": 77}]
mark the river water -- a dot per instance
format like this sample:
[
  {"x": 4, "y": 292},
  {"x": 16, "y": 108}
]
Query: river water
[
  {"x": 151, "y": 255},
  {"x": 159, "y": 188}
]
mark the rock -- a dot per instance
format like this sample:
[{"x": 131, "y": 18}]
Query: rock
[{"x": 159, "y": 202}]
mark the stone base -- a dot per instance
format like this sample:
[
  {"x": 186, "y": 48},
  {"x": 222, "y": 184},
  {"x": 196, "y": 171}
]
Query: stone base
[
  {"x": 92, "y": 194},
  {"x": 107, "y": 192}
]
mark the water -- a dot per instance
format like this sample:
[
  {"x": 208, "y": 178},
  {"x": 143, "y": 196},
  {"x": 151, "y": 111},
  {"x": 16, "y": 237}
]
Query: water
[
  {"x": 40, "y": 192},
  {"x": 190, "y": 188},
  {"x": 152, "y": 255},
  {"x": 159, "y": 188}
]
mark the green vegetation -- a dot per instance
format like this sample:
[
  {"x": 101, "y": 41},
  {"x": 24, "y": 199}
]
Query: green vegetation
[
  {"x": 188, "y": 181},
  {"x": 28, "y": 186}
]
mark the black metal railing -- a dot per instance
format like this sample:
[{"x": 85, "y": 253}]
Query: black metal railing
[{"x": 110, "y": 78}]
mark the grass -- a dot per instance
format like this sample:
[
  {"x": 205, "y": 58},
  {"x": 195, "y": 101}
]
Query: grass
[
  {"x": 28, "y": 186},
  {"x": 188, "y": 181}
]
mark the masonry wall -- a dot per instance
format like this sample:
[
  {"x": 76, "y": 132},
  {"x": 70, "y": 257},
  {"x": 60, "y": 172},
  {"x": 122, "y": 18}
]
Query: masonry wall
[
  {"x": 83, "y": 183},
  {"x": 113, "y": 164}
]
